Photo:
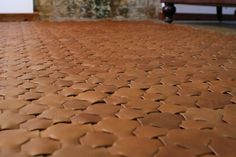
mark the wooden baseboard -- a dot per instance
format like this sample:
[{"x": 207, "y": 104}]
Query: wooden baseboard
[
  {"x": 187, "y": 16},
  {"x": 19, "y": 17}
]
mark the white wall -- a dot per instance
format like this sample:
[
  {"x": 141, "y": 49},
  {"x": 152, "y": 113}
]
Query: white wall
[
  {"x": 16, "y": 6},
  {"x": 202, "y": 9}
]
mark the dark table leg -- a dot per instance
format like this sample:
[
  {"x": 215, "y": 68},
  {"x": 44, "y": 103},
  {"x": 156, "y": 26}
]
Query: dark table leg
[
  {"x": 219, "y": 13},
  {"x": 169, "y": 11}
]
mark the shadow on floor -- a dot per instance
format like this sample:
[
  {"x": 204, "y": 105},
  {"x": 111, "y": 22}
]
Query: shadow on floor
[{"x": 228, "y": 27}]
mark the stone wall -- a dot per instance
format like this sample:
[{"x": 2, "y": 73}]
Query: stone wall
[{"x": 97, "y": 9}]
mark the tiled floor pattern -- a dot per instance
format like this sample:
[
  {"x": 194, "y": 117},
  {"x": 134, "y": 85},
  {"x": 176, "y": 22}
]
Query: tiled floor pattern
[{"x": 116, "y": 89}]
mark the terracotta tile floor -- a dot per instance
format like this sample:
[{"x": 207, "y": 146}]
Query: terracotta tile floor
[{"x": 116, "y": 89}]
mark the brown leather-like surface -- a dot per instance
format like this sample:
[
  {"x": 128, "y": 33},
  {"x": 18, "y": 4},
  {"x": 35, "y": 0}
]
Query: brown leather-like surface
[{"x": 116, "y": 89}]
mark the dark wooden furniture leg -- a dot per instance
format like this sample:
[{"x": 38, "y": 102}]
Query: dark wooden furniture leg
[
  {"x": 169, "y": 11},
  {"x": 219, "y": 13}
]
